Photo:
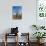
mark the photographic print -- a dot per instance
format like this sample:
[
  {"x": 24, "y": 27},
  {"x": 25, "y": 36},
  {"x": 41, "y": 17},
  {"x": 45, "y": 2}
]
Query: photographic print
[{"x": 17, "y": 12}]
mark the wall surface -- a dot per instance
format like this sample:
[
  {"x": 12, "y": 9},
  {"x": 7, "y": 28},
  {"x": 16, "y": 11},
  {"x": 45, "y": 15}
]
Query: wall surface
[{"x": 28, "y": 15}]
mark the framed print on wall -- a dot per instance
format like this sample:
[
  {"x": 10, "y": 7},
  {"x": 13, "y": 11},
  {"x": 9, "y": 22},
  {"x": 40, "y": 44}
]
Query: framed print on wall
[
  {"x": 17, "y": 12},
  {"x": 41, "y": 8}
]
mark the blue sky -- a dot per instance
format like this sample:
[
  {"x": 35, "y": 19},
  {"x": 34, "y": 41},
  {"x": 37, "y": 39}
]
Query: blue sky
[{"x": 17, "y": 9}]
